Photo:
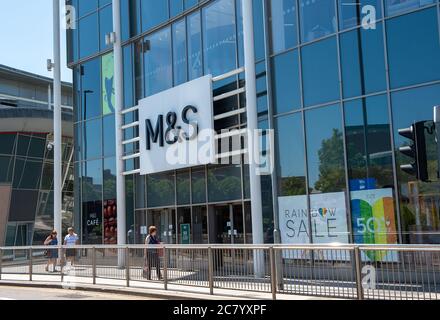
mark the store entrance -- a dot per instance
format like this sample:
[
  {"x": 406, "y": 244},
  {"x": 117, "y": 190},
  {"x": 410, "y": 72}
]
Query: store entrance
[
  {"x": 227, "y": 226},
  {"x": 165, "y": 222}
]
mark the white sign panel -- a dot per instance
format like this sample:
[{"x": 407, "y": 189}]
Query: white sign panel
[
  {"x": 328, "y": 219},
  {"x": 176, "y": 128},
  {"x": 294, "y": 224}
]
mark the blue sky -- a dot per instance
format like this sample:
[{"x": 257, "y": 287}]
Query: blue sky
[{"x": 26, "y": 36}]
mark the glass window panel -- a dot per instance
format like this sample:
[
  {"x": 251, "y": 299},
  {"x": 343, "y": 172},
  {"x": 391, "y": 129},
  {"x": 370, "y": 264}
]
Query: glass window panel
[
  {"x": 105, "y": 25},
  {"x": 325, "y": 149},
  {"x": 92, "y": 141},
  {"x": 7, "y": 143},
  {"x": 291, "y": 156},
  {"x": 419, "y": 212},
  {"x": 189, "y": 3},
  {"x": 88, "y": 35},
  {"x": 184, "y": 218},
  {"x": 413, "y": 58},
  {"x": 91, "y": 89},
  {"x": 37, "y": 147},
  {"x": 130, "y": 18},
  {"x": 318, "y": 19},
  {"x": 92, "y": 181},
  {"x": 109, "y": 177},
  {"x": 183, "y": 188},
  {"x": 368, "y": 137},
  {"x": 6, "y": 169},
  {"x": 240, "y": 41},
  {"x": 139, "y": 85},
  {"x": 198, "y": 186},
  {"x": 108, "y": 86},
  {"x": 158, "y": 69},
  {"x": 283, "y": 24},
  {"x": 200, "y": 225},
  {"x": 397, "y": 6},
  {"x": 219, "y": 37},
  {"x": 47, "y": 178},
  {"x": 363, "y": 63},
  {"x": 11, "y": 230},
  {"x": 86, "y": 6},
  {"x": 359, "y": 12},
  {"x": 320, "y": 72},
  {"x": 104, "y": 2},
  {"x": 128, "y": 77},
  {"x": 224, "y": 183},
  {"x": 27, "y": 174},
  {"x": 179, "y": 52},
  {"x": 286, "y": 82},
  {"x": 258, "y": 30},
  {"x": 140, "y": 192},
  {"x": 160, "y": 190},
  {"x": 23, "y": 145},
  {"x": 194, "y": 46},
  {"x": 109, "y": 139},
  {"x": 154, "y": 12},
  {"x": 176, "y": 7},
  {"x": 92, "y": 222}
]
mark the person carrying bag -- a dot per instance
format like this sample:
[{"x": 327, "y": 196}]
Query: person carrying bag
[{"x": 151, "y": 256}]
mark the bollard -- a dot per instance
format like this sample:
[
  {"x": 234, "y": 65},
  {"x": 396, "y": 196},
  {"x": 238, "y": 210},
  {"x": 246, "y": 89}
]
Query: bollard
[
  {"x": 358, "y": 268},
  {"x": 165, "y": 268},
  {"x": 210, "y": 272}
]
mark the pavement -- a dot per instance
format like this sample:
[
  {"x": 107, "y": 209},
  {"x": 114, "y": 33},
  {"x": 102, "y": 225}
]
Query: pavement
[
  {"x": 52, "y": 294},
  {"x": 111, "y": 280},
  {"x": 135, "y": 292}
]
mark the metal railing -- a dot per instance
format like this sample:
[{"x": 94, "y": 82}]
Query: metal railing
[{"x": 386, "y": 272}]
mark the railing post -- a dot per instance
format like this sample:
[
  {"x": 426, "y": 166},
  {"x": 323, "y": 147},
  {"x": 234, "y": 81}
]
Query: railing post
[
  {"x": 358, "y": 270},
  {"x": 30, "y": 264},
  {"x": 63, "y": 261},
  {"x": 127, "y": 265},
  {"x": 273, "y": 273},
  {"x": 165, "y": 268},
  {"x": 210, "y": 271},
  {"x": 1, "y": 262},
  {"x": 94, "y": 264}
]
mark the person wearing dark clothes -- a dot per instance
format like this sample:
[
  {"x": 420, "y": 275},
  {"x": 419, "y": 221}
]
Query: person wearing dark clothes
[
  {"x": 152, "y": 259},
  {"x": 51, "y": 254}
]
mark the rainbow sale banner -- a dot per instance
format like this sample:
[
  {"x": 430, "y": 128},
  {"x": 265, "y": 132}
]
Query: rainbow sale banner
[{"x": 374, "y": 221}]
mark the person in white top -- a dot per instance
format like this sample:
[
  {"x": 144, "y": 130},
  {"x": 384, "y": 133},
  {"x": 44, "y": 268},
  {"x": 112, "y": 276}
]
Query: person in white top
[{"x": 71, "y": 240}]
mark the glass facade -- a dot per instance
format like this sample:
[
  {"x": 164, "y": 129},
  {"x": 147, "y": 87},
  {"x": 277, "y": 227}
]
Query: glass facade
[
  {"x": 26, "y": 173},
  {"x": 334, "y": 81},
  {"x": 26, "y": 158}
]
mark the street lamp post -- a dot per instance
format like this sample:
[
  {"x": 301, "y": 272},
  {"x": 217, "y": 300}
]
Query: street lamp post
[{"x": 57, "y": 121}]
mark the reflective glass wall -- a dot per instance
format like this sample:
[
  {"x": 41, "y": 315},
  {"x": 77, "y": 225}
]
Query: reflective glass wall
[
  {"x": 26, "y": 169},
  {"x": 336, "y": 79},
  {"x": 345, "y": 77}
]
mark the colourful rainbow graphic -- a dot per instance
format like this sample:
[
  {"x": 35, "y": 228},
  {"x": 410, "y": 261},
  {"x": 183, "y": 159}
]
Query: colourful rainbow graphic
[{"x": 380, "y": 230}]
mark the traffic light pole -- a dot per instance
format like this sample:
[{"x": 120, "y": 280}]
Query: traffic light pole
[{"x": 437, "y": 135}]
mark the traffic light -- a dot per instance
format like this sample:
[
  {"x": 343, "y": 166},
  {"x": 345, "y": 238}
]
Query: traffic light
[{"x": 416, "y": 151}]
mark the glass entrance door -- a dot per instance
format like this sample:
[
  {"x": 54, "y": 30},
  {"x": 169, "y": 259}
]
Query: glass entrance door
[
  {"x": 228, "y": 227},
  {"x": 165, "y": 222}
]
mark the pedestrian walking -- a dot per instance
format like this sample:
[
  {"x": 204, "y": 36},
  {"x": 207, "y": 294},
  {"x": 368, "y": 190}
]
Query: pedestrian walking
[
  {"x": 151, "y": 255},
  {"x": 71, "y": 240},
  {"x": 51, "y": 254}
]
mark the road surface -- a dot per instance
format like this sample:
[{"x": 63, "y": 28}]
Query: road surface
[{"x": 20, "y": 293}]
